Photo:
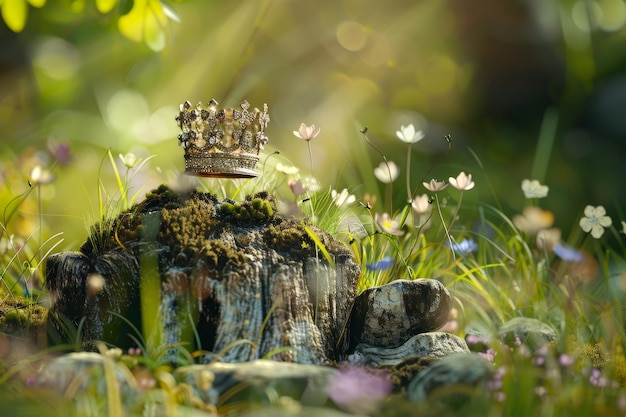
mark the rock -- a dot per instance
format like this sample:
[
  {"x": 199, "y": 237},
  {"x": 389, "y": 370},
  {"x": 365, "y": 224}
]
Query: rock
[
  {"x": 530, "y": 332},
  {"x": 389, "y": 315},
  {"x": 452, "y": 379},
  {"x": 424, "y": 345},
  {"x": 87, "y": 373},
  {"x": 234, "y": 279},
  {"x": 251, "y": 381}
]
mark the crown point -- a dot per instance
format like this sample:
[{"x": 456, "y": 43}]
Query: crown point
[{"x": 213, "y": 102}]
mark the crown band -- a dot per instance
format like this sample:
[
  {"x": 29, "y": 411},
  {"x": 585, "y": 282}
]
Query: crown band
[{"x": 223, "y": 143}]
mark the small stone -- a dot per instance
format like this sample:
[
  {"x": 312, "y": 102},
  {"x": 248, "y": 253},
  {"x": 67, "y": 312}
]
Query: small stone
[
  {"x": 424, "y": 345},
  {"x": 389, "y": 315},
  {"x": 528, "y": 331},
  {"x": 455, "y": 378}
]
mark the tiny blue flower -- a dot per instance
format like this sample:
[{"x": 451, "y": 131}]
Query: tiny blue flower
[
  {"x": 465, "y": 246},
  {"x": 568, "y": 253},
  {"x": 382, "y": 265}
]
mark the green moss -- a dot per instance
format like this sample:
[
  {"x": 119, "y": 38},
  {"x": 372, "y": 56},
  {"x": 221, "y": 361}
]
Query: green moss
[
  {"x": 289, "y": 236},
  {"x": 257, "y": 209},
  {"x": 21, "y": 317}
]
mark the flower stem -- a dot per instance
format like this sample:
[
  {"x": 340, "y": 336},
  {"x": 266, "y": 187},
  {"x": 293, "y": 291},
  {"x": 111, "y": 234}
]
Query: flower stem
[{"x": 408, "y": 173}]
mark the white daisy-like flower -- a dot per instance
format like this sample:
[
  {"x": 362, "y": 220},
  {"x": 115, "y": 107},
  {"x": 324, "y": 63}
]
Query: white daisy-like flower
[
  {"x": 595, "y": 220},
  {"x": 434, "y": 185},
  {"x": 534, "y": 189}
]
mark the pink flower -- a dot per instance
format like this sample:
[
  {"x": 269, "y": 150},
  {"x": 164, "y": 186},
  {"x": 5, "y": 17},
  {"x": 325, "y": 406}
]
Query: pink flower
[
  {"x": 359, "y": 390},
  {"x": 296, "y": 186},
  {"x": 306, "y": 132}
]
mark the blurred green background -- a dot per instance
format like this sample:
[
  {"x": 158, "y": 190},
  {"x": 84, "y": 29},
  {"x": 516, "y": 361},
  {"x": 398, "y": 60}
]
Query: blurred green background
[{"x": 497, "y": 75}]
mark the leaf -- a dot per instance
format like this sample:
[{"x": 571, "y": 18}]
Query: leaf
[
  {"x": 145, "y": 23},
  {"x": 14, "y": 14},
  {"x": 105, "y": 6},
  {"x": 37, "y": 3}
]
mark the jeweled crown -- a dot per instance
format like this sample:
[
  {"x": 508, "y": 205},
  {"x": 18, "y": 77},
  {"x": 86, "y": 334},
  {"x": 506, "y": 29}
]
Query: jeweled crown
[{"x": 222, "y": 143}]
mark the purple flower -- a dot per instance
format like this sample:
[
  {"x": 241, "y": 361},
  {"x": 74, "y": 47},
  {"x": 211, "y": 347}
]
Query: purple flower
[
  {"x": 358, "y": 390},
  {"x": 568, "y": 253},
  {"x": 565, "y": 360},
  {"x": 382, "y": 265},
  {"x": 465, "y": 246}
]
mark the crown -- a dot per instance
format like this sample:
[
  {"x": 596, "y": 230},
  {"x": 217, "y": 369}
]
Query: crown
[{"x": 223, "y": 143}]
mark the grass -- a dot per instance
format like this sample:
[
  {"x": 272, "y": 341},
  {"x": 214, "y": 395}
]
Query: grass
[{"x": 495, "y": 264}]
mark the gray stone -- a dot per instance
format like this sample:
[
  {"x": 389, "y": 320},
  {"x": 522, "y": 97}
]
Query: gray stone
[
  {"x": 81, "y": 371},
  {"x": 455, "y": 378},
  {"x": 389, "y": 315},
  {"x": 424, "y": 345},
  {"x": 530, "y": 332},
  {"x": 305, "y": 383}
]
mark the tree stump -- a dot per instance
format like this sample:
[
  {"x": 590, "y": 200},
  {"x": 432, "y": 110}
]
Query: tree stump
[{"x": 235, "y": 280}]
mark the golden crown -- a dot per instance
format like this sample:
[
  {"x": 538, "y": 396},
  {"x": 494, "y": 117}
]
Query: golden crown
[{"x": 222, "y": 143}]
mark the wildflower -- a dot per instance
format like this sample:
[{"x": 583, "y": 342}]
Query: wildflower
[
  {"x": 40, "y": 175},
  {"x": 306, "y": 132},
  {"x": 388, "y": 225},
  {"x": 568, "y": 253},
  {"x": 434, "y": 185},
  {"x": 421, "y": 204},
  {"x": 130, "y": 160},
  {"x": 358, "y": 390},
  {"x": 465, "y": 246},
  {"x": 489, "y": 355},
  {"x": 595, "y": 221},
  {"x": 343, "y": 198},
  {"x": 462, "y": 182},
  {"x": 296, "y": 187},
  {"x": 61, "y": 152},
  {"x": 286, "y": 169},
  {"x": 565, "y": 360},
  {"x": 382, "y": 265},
  {"x": 548, "y": 238},
  {"x": 533, "y": 219},
  {"x": 386, "y": 172},
  {"x": 312, "y": 184},
  {"x": 596, "y": 379},
  {"x": 409, "y": 135},
  {"x": 534, "y": 189}
]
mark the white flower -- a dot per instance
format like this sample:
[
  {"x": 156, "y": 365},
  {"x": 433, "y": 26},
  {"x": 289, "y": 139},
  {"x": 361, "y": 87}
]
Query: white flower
[
  {"x": 595, "y": 221},
  {"x": 434, "y": 185},
  {"x": 534, "y": 189},
  {"x": 462, "y": 182},
  {"x": 306, "y": 132},
  {"x": 409, "y": 135},
  {"x": 40, "y": 175},
  {"x": 386, "y": 172},
  {"x": 130, "y": 160},
  {"x": 343, "y": 198},
  {"x": 421, "y": 204},
  {"x": 287, "y": 169},
  {"x": 388, "y": 224},
  {"x": 312, "y": 184}
]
